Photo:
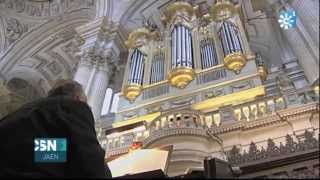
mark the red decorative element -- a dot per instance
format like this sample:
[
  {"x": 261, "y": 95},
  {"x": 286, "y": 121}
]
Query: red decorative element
[{"x": 136, "y": 145}]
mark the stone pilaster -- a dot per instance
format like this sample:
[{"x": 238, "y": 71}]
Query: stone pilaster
[
  {"x": 99, "y": 55},
  {"x": 84, "y": 68},
  {"x": 308, "y": 12},
  {"x": 100, "y": 82}
]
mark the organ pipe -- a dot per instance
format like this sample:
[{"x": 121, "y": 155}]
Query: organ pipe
[
  {"x": 157, "y": 68},
  {"x": 230, "y": 40},
  {"x": 137, "y": 44},
  {"x": 222, "y": 12},
  {"x": 136, "y": 68},
  {"x": 179, "y": 17},
  {"x": 178, "y": 61},
  {"x": 232, "y": 46},
  {"x": 181, "y": 43},
  {"x": 208, "y": 53}
]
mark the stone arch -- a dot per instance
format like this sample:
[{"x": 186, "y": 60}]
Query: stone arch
[{"x": 34, "y": 41}]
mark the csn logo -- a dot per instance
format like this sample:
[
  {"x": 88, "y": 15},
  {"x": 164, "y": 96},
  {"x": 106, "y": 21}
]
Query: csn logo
[
  {"x": 45, "y": 145},
  {"x": 50, "y": 149}
]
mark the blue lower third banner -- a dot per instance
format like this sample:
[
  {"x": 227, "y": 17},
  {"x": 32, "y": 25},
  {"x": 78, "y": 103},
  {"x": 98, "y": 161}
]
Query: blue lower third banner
[{"x": 50, "y": 150}]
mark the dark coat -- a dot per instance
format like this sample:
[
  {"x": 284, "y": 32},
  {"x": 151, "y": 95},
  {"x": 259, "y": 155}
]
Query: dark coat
[{"x": 53, "y": 117}]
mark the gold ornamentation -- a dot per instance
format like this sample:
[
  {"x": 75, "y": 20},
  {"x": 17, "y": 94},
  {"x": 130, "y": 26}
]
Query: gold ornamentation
[
  {"x": 181, "y": 76},
  {"x": 179, "y": 12},
  {"x": 235, "y": 61},
  {"x": 132, "y": 91},
  {"x": 138, "y": 38},
  {"x": 230, "y": 99},
  {"x": 263, "y": 72},
  {"x": 213, "y": 68},
  {"x": 155, "y": 84},
  {"x": 148, "y": 118},
  {"x": 167, "y": 98},
  {"x": 316, "y": 90},
  {"x": 223, "y": 9}
]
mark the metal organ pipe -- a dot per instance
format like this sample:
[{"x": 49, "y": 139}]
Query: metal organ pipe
[
  {"x": 162, "y": 65},
  {"x": 230, "y": 45},
  {"x": 201, "y": 52},
  {"x": 157, "y": 68},
  {"x": 235, "y": 40},
  {"x": 136, "y": 68},
  {"x": 183, "y": 50},
  {"x": 178, "y": 61},
  {"x": 131, "y": 67},
  {"x": 190, "y": 49},
  {"x": 173, "y": 47},
  {"x": 230, "y": 39},
  {"x": 134, "y": 63},
  {"x": 181, "y": 47},
  {"x": 140, "y": 71},
  {"x": 205, "y": 54},
  {"x": 208, "y": 53}
]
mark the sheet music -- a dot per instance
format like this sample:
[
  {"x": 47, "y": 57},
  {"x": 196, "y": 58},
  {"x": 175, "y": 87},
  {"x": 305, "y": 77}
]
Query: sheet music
[{"x": 138, "y": 161}]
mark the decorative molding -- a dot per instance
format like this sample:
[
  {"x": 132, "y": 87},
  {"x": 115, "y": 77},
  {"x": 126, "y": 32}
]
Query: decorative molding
[
  {"x": 236, "y": 157},
  {"x": 45, "y": 8}
]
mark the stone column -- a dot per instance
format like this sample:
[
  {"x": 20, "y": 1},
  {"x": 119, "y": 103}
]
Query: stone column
[
  {"x": 308, "y": 12},
  {"x": 83, "y": 70},
  {"x": 98, "y": 58},
  {"x": 100, "y": 83}
]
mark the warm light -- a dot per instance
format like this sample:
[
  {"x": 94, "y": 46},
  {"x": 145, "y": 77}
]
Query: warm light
[
  {"x": 316, "y": 89},
  {"x": 142, "y": 160},
  {"x": 147, "y": 118},
  {"x": 234, "y": 98},
  {"x": 222, "y": 9},
  {"x": 135, "y": 145}
]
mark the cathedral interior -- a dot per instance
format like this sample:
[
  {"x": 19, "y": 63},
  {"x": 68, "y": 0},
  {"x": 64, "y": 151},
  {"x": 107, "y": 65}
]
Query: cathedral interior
[{"x": 213, "y": 78}]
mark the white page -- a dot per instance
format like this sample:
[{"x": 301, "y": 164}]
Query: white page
[{"x": 138, "y": 161}]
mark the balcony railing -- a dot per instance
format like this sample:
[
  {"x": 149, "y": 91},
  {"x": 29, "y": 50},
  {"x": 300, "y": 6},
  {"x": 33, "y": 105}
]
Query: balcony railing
[
  {"x": 273, "y": 148},
  {"x": 186, "y": 121}
]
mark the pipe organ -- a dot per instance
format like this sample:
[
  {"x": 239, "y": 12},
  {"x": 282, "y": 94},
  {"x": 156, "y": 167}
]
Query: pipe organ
[
  {"x": 231, "y": 45},
  {"x": 230, "y": 40},
  {"x": 134, "y": 75},
  {"x": 136, "y": 67},
  {"x": 179, "y": 19},
  {"x": 157, "y": 68},
  {"x": 186, "y": 51},
  {"x": 181, "y": 47},
  {"x": 208, "y": 53}
]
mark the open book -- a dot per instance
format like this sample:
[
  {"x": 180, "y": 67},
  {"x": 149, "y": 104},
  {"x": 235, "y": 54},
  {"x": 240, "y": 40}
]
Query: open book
[{"x": 141, "y": 160}]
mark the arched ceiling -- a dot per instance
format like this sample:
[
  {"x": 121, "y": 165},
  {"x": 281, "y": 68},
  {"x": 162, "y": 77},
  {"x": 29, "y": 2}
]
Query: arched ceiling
[
  {"x": 38, "y": 35},
  {"x": 35, "y": 38}
]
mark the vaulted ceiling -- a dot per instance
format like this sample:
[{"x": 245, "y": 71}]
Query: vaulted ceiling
[{"x": 36, "y": 36}]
